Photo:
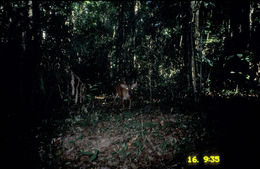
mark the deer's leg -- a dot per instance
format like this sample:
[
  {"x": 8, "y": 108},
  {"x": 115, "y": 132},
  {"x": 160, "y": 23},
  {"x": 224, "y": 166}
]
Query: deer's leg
[
  {"x": 115, "y": 99},
  {"x": 123, "y": 104},
  {"x": 129, "y": 103}
]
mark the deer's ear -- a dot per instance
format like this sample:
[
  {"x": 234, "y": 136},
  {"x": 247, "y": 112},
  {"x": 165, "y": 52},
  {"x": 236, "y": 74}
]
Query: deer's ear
[
  {"x": 123, "y": 86},
  {"x": 134, "y": 85}
]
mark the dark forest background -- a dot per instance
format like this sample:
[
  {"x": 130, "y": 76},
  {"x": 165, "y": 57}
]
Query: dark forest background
[{"x": 64, "y": 58}]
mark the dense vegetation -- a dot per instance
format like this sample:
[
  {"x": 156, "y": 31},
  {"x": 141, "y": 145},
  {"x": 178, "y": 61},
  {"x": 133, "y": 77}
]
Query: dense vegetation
[{"x": 197, "y": 65}]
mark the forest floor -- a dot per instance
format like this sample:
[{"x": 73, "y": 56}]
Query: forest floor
[
  {"x": 151, "y": 137},
  {"x": 116, "y": 138}
]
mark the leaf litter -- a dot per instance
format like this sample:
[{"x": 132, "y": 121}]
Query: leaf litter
[{"x": 128, "y": 140}]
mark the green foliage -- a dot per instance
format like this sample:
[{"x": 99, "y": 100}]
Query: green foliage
[
  {"x": 165, "y": 46},
  {"x": 93, "y": 156}
]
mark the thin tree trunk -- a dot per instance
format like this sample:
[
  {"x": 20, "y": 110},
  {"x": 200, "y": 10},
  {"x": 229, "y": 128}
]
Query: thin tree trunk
[
  {"x": 119, "y": 41},
  {"x": 194, "y": 18},
  {"x": 193, "y": 68},
  {"x": 201, "y": 61}
]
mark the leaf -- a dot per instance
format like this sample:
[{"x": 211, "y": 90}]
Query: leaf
[
  {"x": 87, "y": 153},
  {"x": 68, "y": 163},
  {"x": 247, "y": 59},
  {"x": 90, "y": 86},
  {"x": 94, "y": 156},
  {"x": 230, "y": 57},
  {"x": 239, "y": 55},
  {"x": 80, "y": 137}
]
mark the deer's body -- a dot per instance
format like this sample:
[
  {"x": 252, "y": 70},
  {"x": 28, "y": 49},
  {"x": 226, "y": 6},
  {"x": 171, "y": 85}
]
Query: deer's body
[{"x": 124, "y": 91}]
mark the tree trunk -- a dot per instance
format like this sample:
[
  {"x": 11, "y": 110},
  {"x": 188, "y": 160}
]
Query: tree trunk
[
  {"x": 119, "y": 41},
  {"x": 194, "y": 34},
  {"x": 186, "y": 44}
]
